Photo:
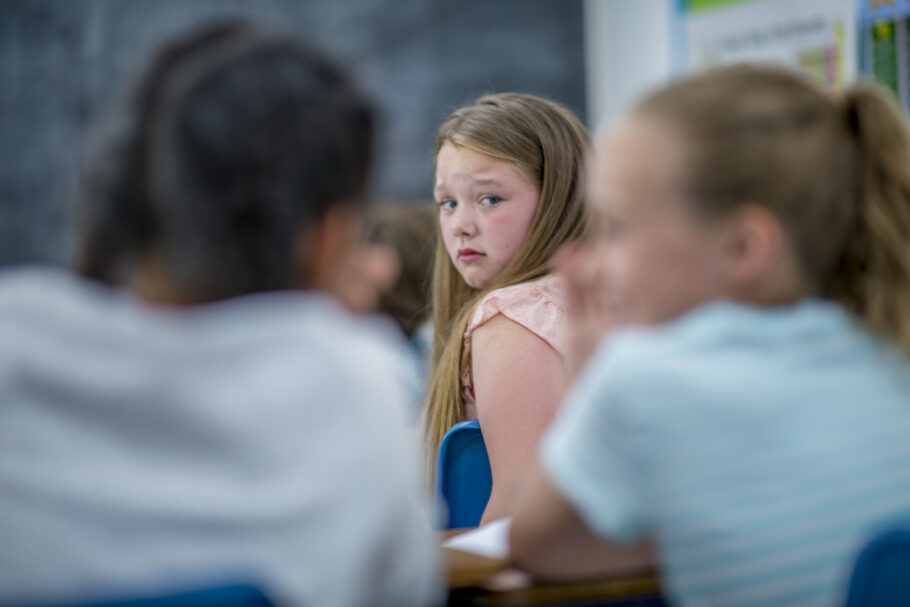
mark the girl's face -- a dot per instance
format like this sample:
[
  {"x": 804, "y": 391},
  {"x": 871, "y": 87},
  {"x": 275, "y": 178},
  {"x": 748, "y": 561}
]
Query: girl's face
[
  {"x": 486, "y": 206},
  {"x": 652, "y": 258}
]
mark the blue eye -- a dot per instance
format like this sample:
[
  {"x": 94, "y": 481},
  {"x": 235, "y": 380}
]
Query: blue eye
[
  {"x": 446, "y": 205},
  {"x": 490, "y": 201}
]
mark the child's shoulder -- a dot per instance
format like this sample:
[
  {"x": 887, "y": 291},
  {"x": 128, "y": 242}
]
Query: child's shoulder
[
  {"x": 725, "y": 335},
  {"x": 539, "y": 305},
  {"x": 732, "y": 359},
  {"x": 548, "y": 288}
]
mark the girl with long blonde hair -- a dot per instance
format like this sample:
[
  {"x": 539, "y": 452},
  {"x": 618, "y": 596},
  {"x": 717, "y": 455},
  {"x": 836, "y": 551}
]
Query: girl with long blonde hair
[{"x": 509, "y": 194}]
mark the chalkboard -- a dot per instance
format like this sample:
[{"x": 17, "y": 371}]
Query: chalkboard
[{"x": 63, "y": 62}]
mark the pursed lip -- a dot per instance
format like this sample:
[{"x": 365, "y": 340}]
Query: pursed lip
[{"x": 469, "y": 255}]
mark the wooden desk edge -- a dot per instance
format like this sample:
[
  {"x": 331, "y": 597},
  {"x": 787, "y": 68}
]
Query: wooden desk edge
[
  {"x": 470, "y": 573},
  {"x": 466, "y": 570},
  {"x": 640, "y": 586}
]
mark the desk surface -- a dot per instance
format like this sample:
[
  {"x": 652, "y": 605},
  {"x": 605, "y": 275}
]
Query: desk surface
[{"x": 477, "y": 580}]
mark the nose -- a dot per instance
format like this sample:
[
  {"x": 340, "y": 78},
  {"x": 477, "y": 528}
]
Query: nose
[{"x": 463, "y": 224}]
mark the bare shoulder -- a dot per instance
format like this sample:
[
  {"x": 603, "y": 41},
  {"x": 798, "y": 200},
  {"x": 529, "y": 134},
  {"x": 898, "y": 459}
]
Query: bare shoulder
[
  {"x": 503, "y": 333},
  {"x": 502, "y": 345}
]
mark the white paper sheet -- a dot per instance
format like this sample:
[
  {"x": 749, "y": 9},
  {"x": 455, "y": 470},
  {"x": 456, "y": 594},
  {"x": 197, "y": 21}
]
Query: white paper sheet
[{"x": 490, "y": 540}]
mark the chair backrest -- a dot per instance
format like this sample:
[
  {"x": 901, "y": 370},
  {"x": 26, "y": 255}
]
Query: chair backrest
[
  {"x": 463, "y": 478},
  {"x": 882, "y": 573},
  {"x": 233, "y": 595}
]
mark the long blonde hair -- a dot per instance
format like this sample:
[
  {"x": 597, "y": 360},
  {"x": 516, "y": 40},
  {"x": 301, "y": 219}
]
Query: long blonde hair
[
  {"x": 834, "y": 169},
  {"x": 547, "y": 143}
]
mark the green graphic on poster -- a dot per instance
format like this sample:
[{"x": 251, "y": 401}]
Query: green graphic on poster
[
  {"x": 884, "y": 53},
  {"x": 707, "y": 5}
]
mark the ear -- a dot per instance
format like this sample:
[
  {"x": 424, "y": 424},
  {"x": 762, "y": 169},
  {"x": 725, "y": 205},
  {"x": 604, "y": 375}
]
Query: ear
[
  {"x": 753, "y": 251},
  {"x": 323, "y": 249}
]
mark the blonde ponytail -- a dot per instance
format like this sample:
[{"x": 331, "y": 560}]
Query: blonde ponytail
[
  {"x": 872, "y": 278},
  {"x": 835, "y": 170}
]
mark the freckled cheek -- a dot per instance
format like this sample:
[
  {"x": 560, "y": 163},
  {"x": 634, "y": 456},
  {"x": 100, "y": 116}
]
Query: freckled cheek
[
  {"x": 507, "y": 234},
  {"x": 510, "y": 248}
]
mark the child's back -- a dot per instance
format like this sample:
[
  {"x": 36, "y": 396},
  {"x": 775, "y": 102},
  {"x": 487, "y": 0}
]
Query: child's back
[
  {"x": 821, "y": 409},
  {"x": 143, "y": 450}
]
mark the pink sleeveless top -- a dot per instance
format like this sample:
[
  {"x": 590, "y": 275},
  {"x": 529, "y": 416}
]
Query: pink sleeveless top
[{"x": 539, "y": 306}]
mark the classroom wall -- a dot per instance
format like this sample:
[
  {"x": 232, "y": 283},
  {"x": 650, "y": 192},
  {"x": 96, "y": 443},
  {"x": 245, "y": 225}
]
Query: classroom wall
[
  {"x": 628, "y": 50},
  {"x": 62, "y": 62}
]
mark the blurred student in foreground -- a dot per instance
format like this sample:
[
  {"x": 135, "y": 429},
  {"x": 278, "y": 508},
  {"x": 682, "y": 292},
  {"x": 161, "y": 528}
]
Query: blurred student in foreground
[
  {"x": 753, "y": 429},
  {"x": 226, "y": 418}
]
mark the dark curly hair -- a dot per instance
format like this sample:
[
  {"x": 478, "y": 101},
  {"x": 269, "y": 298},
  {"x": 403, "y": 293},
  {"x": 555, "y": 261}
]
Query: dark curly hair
[{"x": 231, "y": 142}]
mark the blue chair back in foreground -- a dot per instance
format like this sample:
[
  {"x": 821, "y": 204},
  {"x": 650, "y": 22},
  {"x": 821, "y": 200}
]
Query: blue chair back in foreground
[
  {"x": 234, "y": 595},
  {"x": 882, "y": 573},
  {"x": 463, "y": 477}
]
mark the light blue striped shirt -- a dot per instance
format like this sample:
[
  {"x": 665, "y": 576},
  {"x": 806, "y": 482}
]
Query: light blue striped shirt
[{"x": 759, "y": 448}]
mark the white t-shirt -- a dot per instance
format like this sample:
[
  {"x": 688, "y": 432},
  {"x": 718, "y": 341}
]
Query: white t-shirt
[{"x": 258, "y": 439}]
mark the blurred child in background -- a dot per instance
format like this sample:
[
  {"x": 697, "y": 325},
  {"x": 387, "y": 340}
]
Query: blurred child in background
[{"x": 409, "y": 230}]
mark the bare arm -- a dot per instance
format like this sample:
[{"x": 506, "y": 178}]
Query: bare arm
[
  {"x": 550, "y": 540},
  {"x": 518, "y": 382}
]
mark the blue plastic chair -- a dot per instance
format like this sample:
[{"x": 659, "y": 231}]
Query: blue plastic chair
[
  {"x": 882, "y": 573},
  {"x": 234, "y": 595},
  {"x": 463, "y": 477}
]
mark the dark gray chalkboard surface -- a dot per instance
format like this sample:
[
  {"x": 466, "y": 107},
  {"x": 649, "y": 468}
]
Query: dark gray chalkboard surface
[{"x": 63, "y": 62}]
